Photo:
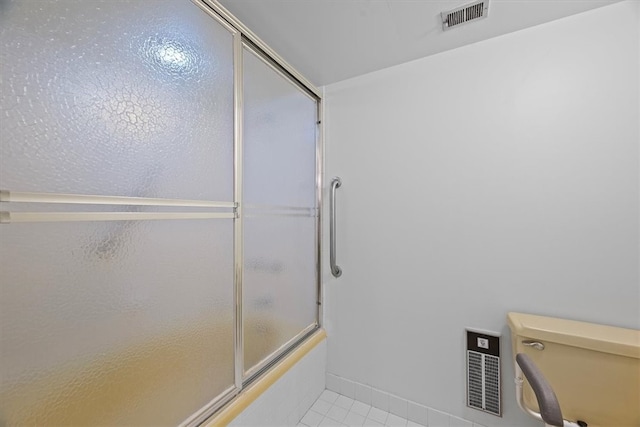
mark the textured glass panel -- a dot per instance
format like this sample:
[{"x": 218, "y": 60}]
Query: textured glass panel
[
  {"x": 114, "y": 323},
  {"x": 118, "y": 323},
  {"x": 279, "y": 282},
  {"x": 127, "y": 97},
  {"x": 279, "y": 139}
]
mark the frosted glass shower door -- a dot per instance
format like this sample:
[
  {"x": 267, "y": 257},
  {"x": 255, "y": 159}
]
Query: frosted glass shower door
[
  {"x": 280, "y": 212},
  {"x": 116, "y": 247}
]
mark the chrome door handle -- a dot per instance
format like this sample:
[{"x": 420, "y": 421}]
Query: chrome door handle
[
  {"x": 335, "y": 270},
  {"x": 535, "y": 344}
]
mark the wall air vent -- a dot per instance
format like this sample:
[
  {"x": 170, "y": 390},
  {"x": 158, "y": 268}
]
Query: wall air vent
[
  {"x": 463, "y": 14},
  {"x": 483, "y": 372}
]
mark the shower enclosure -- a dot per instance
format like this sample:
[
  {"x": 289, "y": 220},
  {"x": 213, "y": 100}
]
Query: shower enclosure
[{"x": 159, "y": 245}]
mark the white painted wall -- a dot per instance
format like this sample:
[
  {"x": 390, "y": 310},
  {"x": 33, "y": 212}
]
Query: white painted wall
[{"x": 502, "y": 176}]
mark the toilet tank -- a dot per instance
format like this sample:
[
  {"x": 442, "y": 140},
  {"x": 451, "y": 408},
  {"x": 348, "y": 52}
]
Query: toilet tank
[{"x": 593, "y": 369}]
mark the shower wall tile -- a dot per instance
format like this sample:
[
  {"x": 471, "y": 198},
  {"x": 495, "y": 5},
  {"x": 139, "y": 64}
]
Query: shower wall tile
[
  {"x": 417, "y": 413},
  {"x": 289, "y": 398},
  {"x": 438, "y": 419},
  {"x": 333, "y": 383},
  {"x": 342, "y": 386},
  {"x": 363, "y": 393},
  {"x": 396, "y": 421},
  {"x": 398, "y": 406},
  {"x": 379, "y": 399},
  {"x": 459, "y": 422},
  {"x": 347, "y": 387}
]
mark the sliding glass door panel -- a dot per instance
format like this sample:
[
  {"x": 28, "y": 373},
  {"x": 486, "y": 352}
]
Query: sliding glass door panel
[
  {"x": 122, "y": 179},
  {"x": 122, "y": 323},
  {"x": 279, "y": 138},
  {"x": 279, "y": 282},
  {"x": 126, "y": 98},
  {"x": 115, "y": 322},
  {"x": 280, "y": 215}
]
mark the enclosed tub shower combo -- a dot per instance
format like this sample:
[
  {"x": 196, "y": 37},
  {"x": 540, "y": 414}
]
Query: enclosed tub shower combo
[{"x": 160, "y": 211}]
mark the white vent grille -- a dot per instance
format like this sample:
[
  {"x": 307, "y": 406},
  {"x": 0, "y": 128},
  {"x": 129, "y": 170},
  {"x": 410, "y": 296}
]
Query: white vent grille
[
  {"x": 492, "y": 384},
  {"x": 474, "y": 380},
  {"x": 464, "y": 14},
  {"x": 483, "y": 382}
]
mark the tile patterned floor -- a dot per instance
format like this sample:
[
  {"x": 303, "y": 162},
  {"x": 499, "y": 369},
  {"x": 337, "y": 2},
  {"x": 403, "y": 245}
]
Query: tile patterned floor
[{"x": 332, "y": 409}]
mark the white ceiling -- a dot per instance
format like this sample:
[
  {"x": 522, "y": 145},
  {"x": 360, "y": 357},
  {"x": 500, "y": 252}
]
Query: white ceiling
[{"x": 332, "y": 40}]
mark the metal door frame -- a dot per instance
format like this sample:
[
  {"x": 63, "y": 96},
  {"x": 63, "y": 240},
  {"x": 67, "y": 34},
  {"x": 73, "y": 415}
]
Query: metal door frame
[{"x": 243, "y": 38}]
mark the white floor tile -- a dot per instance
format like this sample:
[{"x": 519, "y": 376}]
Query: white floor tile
[
  {"x": 344, "y": 402},
  {"x": 321, "y": 406},
  {"x": 395, "y": 421},
  {"x": 328, "y": 422},
  {"x": 378, "y": 415},
  {"x": 337, "y": 413},
  {"x": 311, "y": 419},
  {"x": 329, "y": 396},
  {"x": 333, "y": 409},
  {"x": 361, "y": 408},
  {"x": 353, "y": 419}
]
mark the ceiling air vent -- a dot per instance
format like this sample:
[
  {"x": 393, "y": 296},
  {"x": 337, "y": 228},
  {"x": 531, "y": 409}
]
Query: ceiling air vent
[{"x": 463, "y": 14}]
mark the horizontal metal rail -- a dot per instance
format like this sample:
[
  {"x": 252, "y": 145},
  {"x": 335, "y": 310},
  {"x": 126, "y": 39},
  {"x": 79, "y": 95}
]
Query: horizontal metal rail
[
  {"x": 85, "y": 199},
  {"x": 14, "y": 217},
  {"x": 277, "y": 208},
  {"x": 279, "y": 214},
  {"x": 258, "y": 211}
]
